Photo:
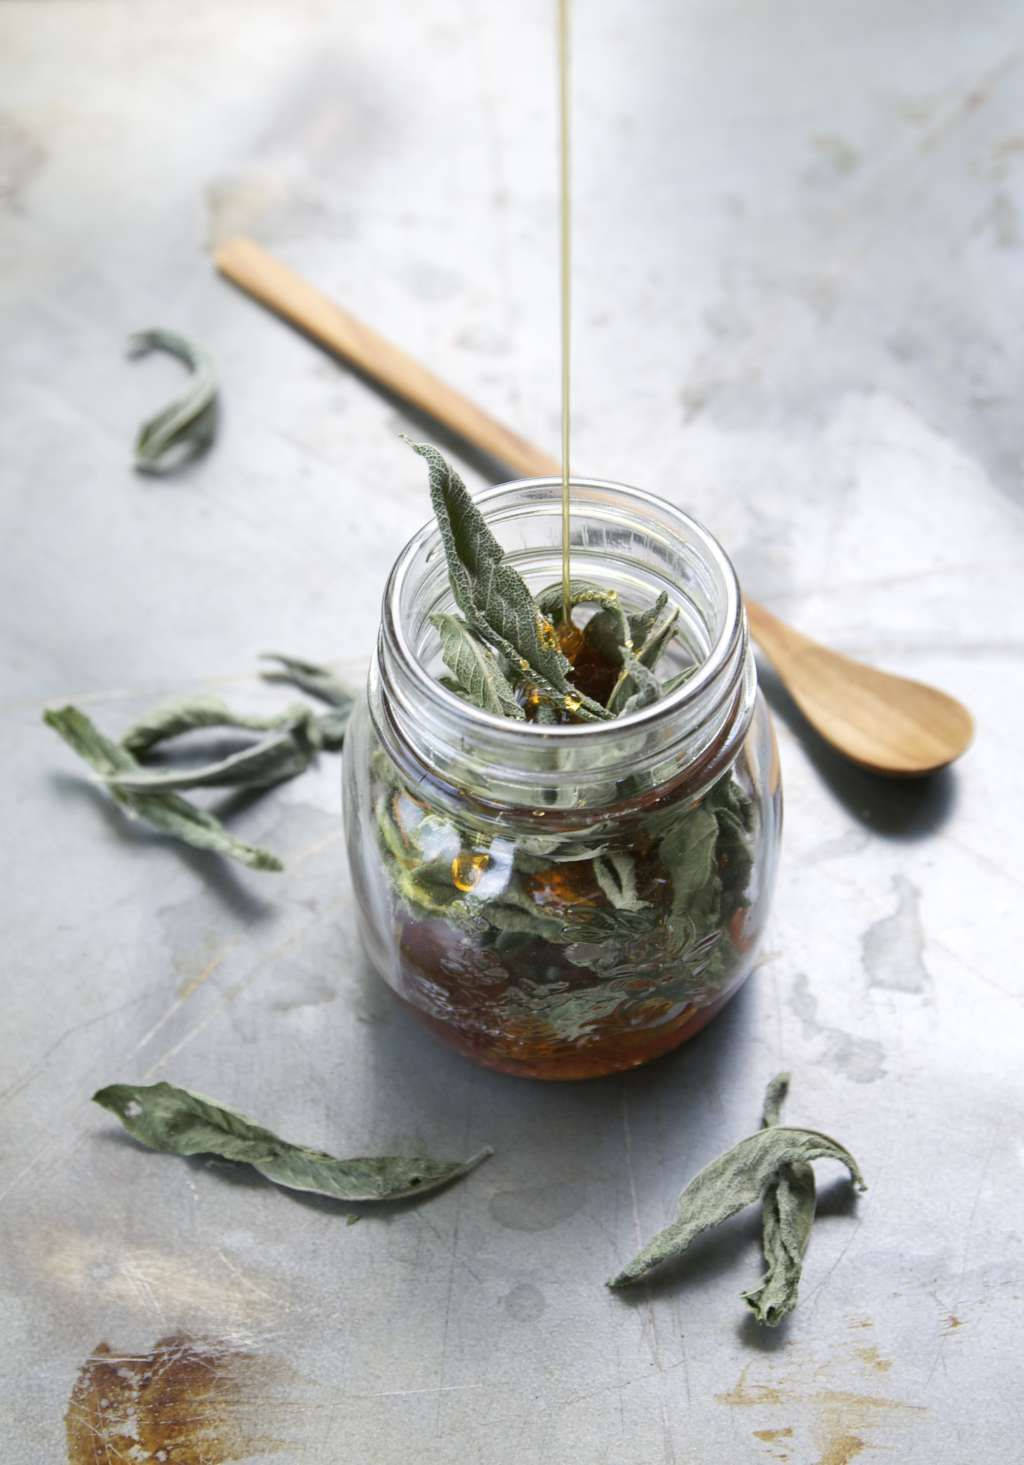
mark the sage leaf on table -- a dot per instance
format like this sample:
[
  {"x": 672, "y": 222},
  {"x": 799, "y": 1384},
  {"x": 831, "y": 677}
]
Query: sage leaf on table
[
  {"x": 495, "y": 600},
  {"x": 186, "y": 427},
  {"x": 474, "y": 668},
  {"x": 164, "y": 810},
  {"x": 181, "y": 1122},
  {"x": 191, "y": 714},
  {"x": 271, "y": 760},
  {"x": 787, "y": 1215},
  {"x": 285, "y": 753},
  {"x": 319, "y": 681},
  {"x": 736, "y": 1179}
]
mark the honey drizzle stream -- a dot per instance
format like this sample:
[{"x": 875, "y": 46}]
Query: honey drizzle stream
[{"x": 566, "y": 257}]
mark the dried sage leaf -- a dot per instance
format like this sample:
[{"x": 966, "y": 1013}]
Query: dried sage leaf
[
  {"x": 653, "y": 631},
  {"x": 550, "y": 603},
  {"x": 273, "y": 759},
  {"x": 787, "y": 1217},
  {"x": 187, "y": 426},
  {"x": 636, "y": 687},
  {"x": 164, "y": 810},
  {"x": 474, "y": 667},
  {"x": 734, "y": 1180},
  {"x": 308, "y": 676},
  {"x": 190, "y": 714},
  {"x": 494, "y": 599},
  {"x": 181, "y": 1122},
  {"x": 319, "y": 681},
  {"x": 679, "y": 680},
  {"x": 616, "y": 875}
]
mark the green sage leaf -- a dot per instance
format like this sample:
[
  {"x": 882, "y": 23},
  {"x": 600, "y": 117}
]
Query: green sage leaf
[
  {"x": 787, "y": 1217},
  {"x": 652, "y": 631},
  {"x": 186, "y": 427},
  {"x": 679, "y": 680},
  {"x": 734, "y": 1180},
  {"x": 494, "y": 599},
  {"x": 616, "y": 875},
  {"x": 190, "y": 714},
  {"x": 319, "y": 681},
  {"x": 474, "y": 668},
  {"x": 273, "y": 759},
  {"x": 636, "y": 687},
  {"x": 550, "y": 603},
  {"x": 180, "y": 1122},
  {"x": 165, "y": 811}
]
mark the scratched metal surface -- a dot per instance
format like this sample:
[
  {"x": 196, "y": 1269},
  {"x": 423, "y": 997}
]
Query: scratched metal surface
[{"x": 799, "y": 293}]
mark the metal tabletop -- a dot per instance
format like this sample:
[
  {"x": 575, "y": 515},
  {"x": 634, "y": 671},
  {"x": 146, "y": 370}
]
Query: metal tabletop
[{"x": 797, "y": 313}]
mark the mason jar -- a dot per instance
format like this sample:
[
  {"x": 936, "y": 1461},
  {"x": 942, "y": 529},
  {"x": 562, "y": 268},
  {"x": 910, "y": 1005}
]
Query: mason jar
[{"x": 566, "y": 901}]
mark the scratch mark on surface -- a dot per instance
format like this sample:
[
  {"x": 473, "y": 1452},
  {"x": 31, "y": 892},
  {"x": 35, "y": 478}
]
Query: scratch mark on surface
[
  {"x": 828, "y": 1275},
  {"x": 81, "y": 1027},
  {"x": 968, "y": 1237}
]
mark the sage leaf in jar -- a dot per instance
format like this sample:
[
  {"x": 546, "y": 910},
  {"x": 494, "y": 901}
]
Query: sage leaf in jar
[
  {"x": 787, "y": 1215},
  {"x": 494, "y": 599},
  {"x": 474, "y": 668},
  {"x": 319, "y": 681},
  {"x": 653, "y": 630},
  {"x": 550, "y": 603},
  {"x": 186, "y": 427},
  {"x": 734, "y": 1180},
  {"x": 636, "y": 687},
  {"x": 166, "y": 811},
  {"x": 181, "y": 1122}
]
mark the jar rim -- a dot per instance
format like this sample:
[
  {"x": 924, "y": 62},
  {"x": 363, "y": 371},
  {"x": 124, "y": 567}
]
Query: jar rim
[{"x": 531, "y": 733}]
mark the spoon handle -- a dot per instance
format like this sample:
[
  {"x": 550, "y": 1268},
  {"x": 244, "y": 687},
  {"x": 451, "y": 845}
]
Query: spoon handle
[
  {"x": 248, "y": 265},
  {"x": 860, "y": 693}
]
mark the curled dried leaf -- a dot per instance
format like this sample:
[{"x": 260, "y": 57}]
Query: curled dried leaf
[
  {"x": 734, "y": 1180},
  {"x": 164, "y": 810},
  {"x": 182, "y": 1122},
  {"x": 186, "y": 427}
]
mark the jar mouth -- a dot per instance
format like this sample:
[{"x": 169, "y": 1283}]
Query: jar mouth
[{"x": 649, "y": 512}]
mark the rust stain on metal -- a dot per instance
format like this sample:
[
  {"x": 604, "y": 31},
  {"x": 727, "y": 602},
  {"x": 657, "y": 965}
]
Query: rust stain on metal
[
  {"x": 744, "y": 1395},
  {"x": 772, "y": 1434},
  {"x": 842, "y": 1449},
  {"x": 874, "y": 1360},
  {"x": 186, "y": 1402}
]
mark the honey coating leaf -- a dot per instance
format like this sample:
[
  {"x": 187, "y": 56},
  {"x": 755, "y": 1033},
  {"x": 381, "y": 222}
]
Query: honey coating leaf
[
  {"x": 734, "y": 1180},
  {"x": 166, "y": 811},
  {"x": 585, "y": 592},
  {"x": 493, "y": 598},
  {"x": 181, "y": 1122}
]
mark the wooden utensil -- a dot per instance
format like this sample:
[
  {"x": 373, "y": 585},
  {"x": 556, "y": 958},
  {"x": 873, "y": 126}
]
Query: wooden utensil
[{"x": 885, "y": 723}]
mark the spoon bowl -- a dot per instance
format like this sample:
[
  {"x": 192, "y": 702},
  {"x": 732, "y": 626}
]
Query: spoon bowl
[{"x": 886, "y": 723}]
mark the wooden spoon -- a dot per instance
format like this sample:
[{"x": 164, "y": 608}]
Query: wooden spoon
[{"x": 883, "y": 722}]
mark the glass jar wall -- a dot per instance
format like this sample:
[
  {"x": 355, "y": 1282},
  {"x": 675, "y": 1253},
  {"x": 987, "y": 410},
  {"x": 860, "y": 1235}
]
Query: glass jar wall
[{"x": 566, "y": 901}]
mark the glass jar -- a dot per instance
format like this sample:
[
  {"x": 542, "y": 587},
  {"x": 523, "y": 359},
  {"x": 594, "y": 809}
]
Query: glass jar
[{"x": 566, "y": 901}]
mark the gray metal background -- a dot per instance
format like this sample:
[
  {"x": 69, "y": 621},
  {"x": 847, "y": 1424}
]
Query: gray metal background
[{"x": 798, "y": 313}]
